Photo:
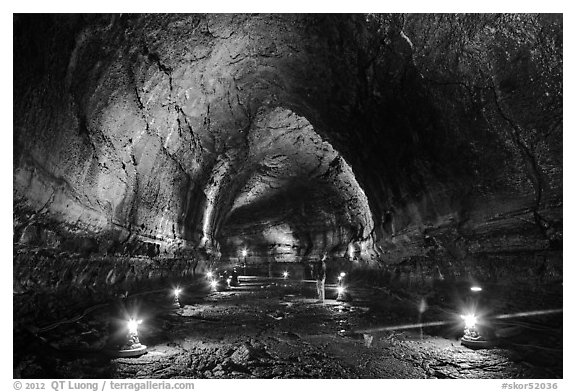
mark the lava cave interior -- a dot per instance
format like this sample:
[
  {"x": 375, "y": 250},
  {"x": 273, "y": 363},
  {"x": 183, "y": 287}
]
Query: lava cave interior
[{"x": 421, "y": 153}]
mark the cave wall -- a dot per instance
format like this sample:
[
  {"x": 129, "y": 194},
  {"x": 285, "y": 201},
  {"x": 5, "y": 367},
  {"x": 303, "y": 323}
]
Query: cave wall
[
  {"x": 137, "y": 136},
  {"x": 482, "y": 197},
  {"x": 138, "y": 129},
  {"x": 129, "y": 136}
]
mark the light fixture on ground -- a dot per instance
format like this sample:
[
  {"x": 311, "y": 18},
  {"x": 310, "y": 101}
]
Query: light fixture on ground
[
  {"x": 470, "y": 323},
  {"x": 472, "y": 337},
  {"x": 341, "y": 291},
  {"x": 132, "y": 347},
  {"x": 176, "y": 303}
]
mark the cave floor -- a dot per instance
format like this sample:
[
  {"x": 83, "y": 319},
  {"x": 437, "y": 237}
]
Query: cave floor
[{"x": 274, "y": 328}]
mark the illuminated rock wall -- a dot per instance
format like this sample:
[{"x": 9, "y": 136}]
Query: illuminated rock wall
[{"x": 395, "y": 138}]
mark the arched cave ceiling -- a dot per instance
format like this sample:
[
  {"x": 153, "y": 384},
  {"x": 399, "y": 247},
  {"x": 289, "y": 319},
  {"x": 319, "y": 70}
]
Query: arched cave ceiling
[
  {"x": 301, "y": 196},
  {"x": 291, "y": 134}
]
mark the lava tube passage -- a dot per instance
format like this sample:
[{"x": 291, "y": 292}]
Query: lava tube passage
[{"x": 288, "y": 196}]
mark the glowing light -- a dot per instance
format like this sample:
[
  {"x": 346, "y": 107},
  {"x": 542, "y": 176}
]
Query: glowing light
[
  {"x": 228, "y": 280},
  {"x": 528, "y": 314},
  {"x": 422, "y": 306},
  {"x": 342, "y": 274},
  {"x": 340, "y": 290},
  {"x": 177, "y": 292},
  {"x": 405, "y": 326},
  {"x": 339, "y": 278},
  {"x": 285, "y": 274},
  {"x": 214, "y": 284},
  {"x": 244, "y": 252},
  {"x": 438, "y": 323},
  {"x": 209, "y": 274},
  {"x": 475, "y": 288},
  {"x": 469, "y": 320},
  {"x": 133, "y": 326}
]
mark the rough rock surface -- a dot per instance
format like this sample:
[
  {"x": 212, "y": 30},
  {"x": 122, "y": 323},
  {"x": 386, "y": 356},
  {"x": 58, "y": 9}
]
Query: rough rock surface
[
  {"x": 431, "y": 143},
  {"x": 271, "y": 329}
]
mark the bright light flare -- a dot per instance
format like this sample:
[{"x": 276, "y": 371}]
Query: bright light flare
[
  {"x": 529, "y": 314},
  {"x": 469, "y": 320},
  {"x": 177, "y": 292},
  {"x": 405, "y": 326},
  {"x": 422, "y": 306},
  {"x": 214, "y": 284},
  {"x": 133, "y": 326},
  {"x": 285, "y": 274},
  {"x": 340, "y": 290},
  {"x": 439, "y": 323},
  {"x": 244, "y": 252},
  {"x": 209, "y": 274},
  {"x": 342, "y": 274},
  {"x": 476, "y": 288}
]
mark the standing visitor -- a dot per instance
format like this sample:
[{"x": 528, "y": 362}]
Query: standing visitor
[{"x": 321, "y": 277}]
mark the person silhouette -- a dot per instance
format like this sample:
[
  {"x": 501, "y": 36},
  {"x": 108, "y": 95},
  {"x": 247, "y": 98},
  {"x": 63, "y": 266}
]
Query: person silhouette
[{"x": 321, "y": 277}]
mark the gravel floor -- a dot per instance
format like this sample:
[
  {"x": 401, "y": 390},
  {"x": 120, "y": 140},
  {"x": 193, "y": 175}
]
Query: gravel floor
[{"x": 273, "y": 328}]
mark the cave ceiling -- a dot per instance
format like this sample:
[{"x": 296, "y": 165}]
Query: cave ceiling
[{"x": 309, "y": 133}]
